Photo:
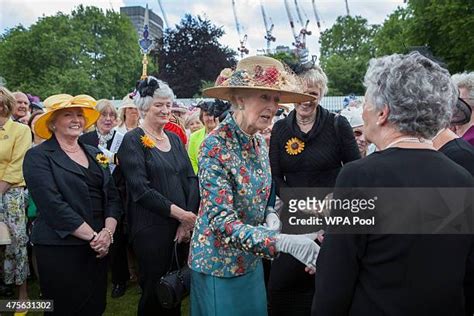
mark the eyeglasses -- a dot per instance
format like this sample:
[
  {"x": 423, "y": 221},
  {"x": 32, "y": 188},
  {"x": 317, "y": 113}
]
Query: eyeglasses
[{"x": 106, "y": 115}]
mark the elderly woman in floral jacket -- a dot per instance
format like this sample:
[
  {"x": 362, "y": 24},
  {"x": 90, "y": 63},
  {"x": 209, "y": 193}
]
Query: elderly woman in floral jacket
[{"x": 235, "y": 183}]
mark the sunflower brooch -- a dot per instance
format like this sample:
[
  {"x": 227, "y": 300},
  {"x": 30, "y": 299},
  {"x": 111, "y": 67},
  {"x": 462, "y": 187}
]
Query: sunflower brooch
[
  {"x": 294, "y": 146},
  {"x": 147, "y": 142},
  {"x": 102, "y": 160}
]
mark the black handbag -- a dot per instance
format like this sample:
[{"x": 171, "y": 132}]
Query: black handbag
[{"x": 175, "y": 285}]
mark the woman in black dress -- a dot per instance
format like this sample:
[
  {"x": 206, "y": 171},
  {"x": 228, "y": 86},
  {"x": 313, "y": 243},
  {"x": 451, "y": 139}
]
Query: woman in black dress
[
  {"x": 307, "y": 149},
  {"x": 108, "y": 140},
  {"x": 391, "y": 274},
  {"x": 78, "y": 207},
  {"x": 162, "y": 191}
]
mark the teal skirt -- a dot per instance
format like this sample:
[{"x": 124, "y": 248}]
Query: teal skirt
[{"x": 243, "y": 295}]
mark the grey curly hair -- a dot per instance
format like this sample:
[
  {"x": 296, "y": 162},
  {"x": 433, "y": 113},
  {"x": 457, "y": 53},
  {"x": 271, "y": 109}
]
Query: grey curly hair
[
  {"x": 143, "y": 103},
  {"x": 418, "y": 92},
  {"x": 465, "y": 80}
]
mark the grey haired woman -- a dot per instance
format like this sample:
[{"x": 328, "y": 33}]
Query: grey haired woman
[
  {"x": 408, "y": 100},
  {"x": 162, "y": 190}
]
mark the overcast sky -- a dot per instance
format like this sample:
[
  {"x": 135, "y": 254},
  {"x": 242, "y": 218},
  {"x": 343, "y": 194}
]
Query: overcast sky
[{"x": 26, "y": 12}]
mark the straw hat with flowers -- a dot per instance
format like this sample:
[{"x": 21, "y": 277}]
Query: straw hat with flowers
[
  {"x": 65, "y": 101},
  {"x": 259, "y": 73}
]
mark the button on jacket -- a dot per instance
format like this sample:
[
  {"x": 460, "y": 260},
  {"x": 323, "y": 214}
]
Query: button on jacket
[
  {"x": 235, "y": 183},
  {"x": 15, "y": 140}
]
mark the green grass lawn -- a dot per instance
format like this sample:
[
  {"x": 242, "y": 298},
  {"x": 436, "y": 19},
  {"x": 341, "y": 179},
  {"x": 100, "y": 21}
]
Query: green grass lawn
[{"x": 122, "y": 306}]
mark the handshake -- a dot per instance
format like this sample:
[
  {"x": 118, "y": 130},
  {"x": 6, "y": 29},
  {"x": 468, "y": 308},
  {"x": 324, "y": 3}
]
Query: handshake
[{"x": 302, "y": 247}]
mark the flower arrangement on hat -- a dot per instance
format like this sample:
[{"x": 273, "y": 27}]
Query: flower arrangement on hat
[{"x": 259, "y": 72}]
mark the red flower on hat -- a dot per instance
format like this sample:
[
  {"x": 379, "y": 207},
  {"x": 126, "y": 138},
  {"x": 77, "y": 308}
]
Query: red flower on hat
[{"x": 271, "y": 75}]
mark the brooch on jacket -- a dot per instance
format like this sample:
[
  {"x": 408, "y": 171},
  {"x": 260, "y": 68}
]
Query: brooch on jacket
[
  {"x": 102, "y": 160},
  {"x": 294, "y": 146},
  {"x": 147, "y": 142}
]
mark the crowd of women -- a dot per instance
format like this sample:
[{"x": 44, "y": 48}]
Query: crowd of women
[{"x": 171, "y": 186}]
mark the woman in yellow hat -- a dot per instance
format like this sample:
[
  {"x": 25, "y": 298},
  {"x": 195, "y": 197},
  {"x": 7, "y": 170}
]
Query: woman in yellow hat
[
  {"x": 229, "y": 239},
  {"x": 78, "y": 207}
]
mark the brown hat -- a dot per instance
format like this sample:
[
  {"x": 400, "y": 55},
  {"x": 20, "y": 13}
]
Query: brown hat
[{"x": 259, "y": 73}]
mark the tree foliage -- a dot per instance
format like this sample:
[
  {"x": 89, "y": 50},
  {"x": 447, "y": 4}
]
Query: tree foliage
[
  {"x": 191, "y": 54},
  {"x": 346, "y": 48},
  {"x": 442, "y": 27},
  {"x": 446, "y": 27},
  {"x": 393, "y": 36},
  {"x": 86, "y": 52},
  {"x": 290, "y": 59}
]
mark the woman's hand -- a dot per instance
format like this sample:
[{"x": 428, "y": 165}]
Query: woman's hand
[
  {"x": 182, "y": 234},
  {"x": 101, "y": 244},
  {"x": 187, "y": 219}
]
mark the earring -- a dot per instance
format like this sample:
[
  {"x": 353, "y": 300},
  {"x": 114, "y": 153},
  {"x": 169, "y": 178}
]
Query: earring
[
  {"x": 54, "y": 128},
  {"x": 241, "y": 107},
  {"x": 377, "y": 123}
]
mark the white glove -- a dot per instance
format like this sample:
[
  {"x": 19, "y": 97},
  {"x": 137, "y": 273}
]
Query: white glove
[
  {"x": 272, "y": 222},
  {"x": 278, "y": 205},
  {"x": 302, "y": 247}
]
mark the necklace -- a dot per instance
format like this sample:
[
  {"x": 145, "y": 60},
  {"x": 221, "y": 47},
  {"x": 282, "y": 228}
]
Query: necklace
[
  {"x": 409, "y": 140},
  {"x": 153, "y": 135},
  {"x": 71, "y": 151},
  {"x": 305, "y": 121}
]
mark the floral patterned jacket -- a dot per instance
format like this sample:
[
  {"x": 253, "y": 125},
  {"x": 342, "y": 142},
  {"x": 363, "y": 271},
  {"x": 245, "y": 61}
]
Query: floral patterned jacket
[{"x": 235, "y": 183}]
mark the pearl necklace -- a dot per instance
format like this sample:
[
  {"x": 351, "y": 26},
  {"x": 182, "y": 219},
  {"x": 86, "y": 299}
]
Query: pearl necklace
[
  {"x": 153, "y": 135},
  {"x": 409, "y": 140}
]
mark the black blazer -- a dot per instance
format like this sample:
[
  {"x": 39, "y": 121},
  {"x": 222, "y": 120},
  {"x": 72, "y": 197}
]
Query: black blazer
[{"x": 58, "y": 187}]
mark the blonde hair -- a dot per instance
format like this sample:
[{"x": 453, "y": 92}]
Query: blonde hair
[
  {"x": 7, "y": 102},
  {"x": 195, "y": 115},
  {"x": 104, "y": 104},
  {"x": 316, "y": 77}
]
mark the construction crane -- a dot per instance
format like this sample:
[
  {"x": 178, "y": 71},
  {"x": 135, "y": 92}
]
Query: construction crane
[
  {"x": 304, "y": 26},
  {"x": 316, "y": 15},
  {"x": 268, "y": 30},
  {"x": 243, "y": 40},
  {"x": 296, "y": 43},
  {"x": 300, "y": 39},
  {"x": 164, "y": 14}
]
